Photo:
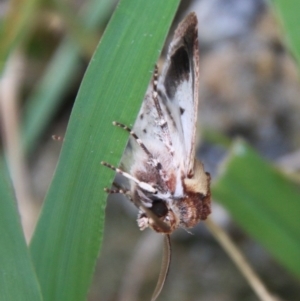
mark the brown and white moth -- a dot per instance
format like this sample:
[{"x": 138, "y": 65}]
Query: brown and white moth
[{"x": 167, "y": 183}]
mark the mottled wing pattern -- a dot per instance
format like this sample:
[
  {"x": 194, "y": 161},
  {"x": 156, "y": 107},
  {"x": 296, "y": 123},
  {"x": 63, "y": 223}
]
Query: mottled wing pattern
[
  {"x": 147, "y": 125},
  {"x": 179, "y": 85},
  {"x": 149, "y": 130}
]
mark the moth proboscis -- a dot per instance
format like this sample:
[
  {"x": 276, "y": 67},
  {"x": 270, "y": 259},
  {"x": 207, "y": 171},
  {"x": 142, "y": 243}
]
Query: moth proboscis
[{"x": 167, "y": 183}]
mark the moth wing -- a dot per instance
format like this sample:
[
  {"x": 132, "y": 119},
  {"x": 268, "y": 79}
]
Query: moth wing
[
  {"x": 147, "y": 129},
  {"x": 179, "y": 84}
]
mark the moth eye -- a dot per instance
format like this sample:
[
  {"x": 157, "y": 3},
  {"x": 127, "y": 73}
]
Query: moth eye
[{"x": 159, "y": 208}]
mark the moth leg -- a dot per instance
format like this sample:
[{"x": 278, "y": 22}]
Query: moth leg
[
  {"x": 154, "y": 161},
  {"x": 147, "y": 218},
  {"x": 143, "y": 221},
  {"x": 162, "y": 121},
  {"x": 141, "y": 184},
  {"x": 117, "y": 190},
  {"x": 134, "y": 135}
]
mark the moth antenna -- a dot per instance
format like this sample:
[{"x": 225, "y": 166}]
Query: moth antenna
[
  {"x": 141, "y": 184},
  {"x": 165, "y": 265},
  {"x": 162, "y": 122}
]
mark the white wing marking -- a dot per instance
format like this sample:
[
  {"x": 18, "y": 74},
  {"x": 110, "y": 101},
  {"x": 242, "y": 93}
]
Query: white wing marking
[{"x": 179, "y": 86}]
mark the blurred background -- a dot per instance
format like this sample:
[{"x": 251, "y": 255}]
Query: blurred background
[{"x": 249, "y": 88}]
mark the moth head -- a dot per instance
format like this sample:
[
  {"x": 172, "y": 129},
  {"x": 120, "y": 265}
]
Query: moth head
[
  {"x": 158, "y": 215},
  {"x": 166, "y": 215}
]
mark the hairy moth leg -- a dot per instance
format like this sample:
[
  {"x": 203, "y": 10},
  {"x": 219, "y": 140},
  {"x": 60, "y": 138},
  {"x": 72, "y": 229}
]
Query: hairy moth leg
[
  {"x": 141, "y": 184},
  {"x": 153, "y": 161}
]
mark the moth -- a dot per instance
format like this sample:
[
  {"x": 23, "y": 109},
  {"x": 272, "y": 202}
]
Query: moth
[{"x": 167, "y": 183}]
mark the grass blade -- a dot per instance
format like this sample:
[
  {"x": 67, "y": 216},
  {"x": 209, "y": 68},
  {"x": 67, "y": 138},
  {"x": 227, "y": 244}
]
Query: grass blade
[
  {"x": 69, "y": 233},
  {"x": 263, "y": 202},
  {"x": 288, "y": 12},
  {"x": 18, "y": 281}
]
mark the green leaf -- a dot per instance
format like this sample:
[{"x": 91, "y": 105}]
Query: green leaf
[
  {"x": 68, "y": 236},
  {"x": 17, "y": 278},
  {"x": 263, "y": 202},
  {"x": 288, "y": 12}
]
